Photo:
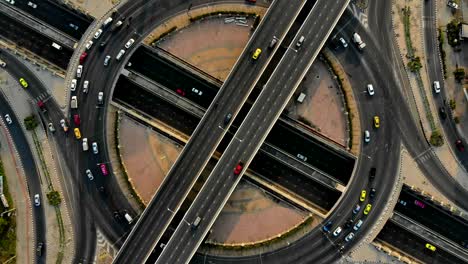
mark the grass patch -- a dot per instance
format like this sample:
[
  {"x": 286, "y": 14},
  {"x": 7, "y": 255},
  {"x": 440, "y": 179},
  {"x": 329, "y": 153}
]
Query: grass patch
[
  {"x": 442, "y": 52},
  {"x": 7, "y": 225}
]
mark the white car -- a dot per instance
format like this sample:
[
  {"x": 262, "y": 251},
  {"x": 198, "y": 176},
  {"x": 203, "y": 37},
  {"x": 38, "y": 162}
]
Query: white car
[
  {"x": 63, "y": 124},
  {"x": 301, "y": 157},
  {"x": 85, "y": 144},
  {"x": 85, "y": 86},
  {"x": 337, "y": 231},
  {"x": 79, "y": 71},
  {"x": 349, "y": 237},
  {"x": 358, "y": 225},
  {"x": 107, "y": 60},
  {"x": 89, "y": 44},
  {"x": 89, "y": 174},
  {"x": 73, "y": 85},
  {"x": 8, "y": 119},
  {"x": 100, "y": 98},
  {"x": 95, "y": 148},
  {"x": 343, "y": 42},
  {"x": 74, "y": 102},
  {"x": 51, "y": 127},
  {"x": 367, "y": 136},
  {"x": 10, "y": 1},
  {"x": 120, "y": 54},
  {"x": 370, "y": 89},
  {"x": 31, "y": 4},
  {"x": 2, "y": 64},
  {"x": 452, "y": 4},
  {"x": 195, "y": 90},
  {"x": 129, "y": 43},
  {"x": 37, "y": 200},
  {"x": 97, "y": 34},
  {"x": 436, "y": 86}
]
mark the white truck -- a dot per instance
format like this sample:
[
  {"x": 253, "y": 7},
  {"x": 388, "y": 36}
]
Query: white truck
[{"x": 357, "y": 39}]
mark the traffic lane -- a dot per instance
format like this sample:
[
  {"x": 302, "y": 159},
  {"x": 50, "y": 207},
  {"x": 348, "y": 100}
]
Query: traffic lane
[
  {"x": 240, "y": 150},
  {"x": 248, "y": 77},
  {"x": 31, "y": 172},
  {"x": 413, "y": 245},
  {"x": 57, "y": 15}
]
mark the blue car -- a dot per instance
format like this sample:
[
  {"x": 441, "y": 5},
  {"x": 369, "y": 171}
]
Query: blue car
[{"x": 327, "y": 227}]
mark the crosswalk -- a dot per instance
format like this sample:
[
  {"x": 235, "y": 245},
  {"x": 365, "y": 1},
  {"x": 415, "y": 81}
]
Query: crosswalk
[{"x": 42, "y": 97}]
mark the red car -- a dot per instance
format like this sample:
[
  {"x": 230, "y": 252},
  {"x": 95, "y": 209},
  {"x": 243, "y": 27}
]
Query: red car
[
  {"x": 419, "y": 204},
  {"x": 104, "y": 169},
  {"x": 180, "y": 92},
  {"x": 76, "y": 119},
  {"x": 83, "y": 57},
  {"x": 238, "y": 168},
  {"x": 460, "y": 145}
]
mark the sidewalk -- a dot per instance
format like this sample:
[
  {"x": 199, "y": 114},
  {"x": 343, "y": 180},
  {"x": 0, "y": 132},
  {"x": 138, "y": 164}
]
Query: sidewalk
[{"x": 19, "y": 191}]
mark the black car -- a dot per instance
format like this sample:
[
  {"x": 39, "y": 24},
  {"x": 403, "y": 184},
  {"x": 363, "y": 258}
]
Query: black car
[
  {"x": 39, "y": 248},
  {"x": 442, "y": 112},
  {"x": 372, "y": 193},
  {"x": 372, "y": 174},
  {"x": 349, "y": 223}
]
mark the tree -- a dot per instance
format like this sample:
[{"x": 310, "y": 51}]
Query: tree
[
  {"x": 54, "y": 198},
  {"x": 415, "y": 64},
  {"x": 30, "y": 122},
  {"x": 453, "y": 32},
  {"x": 452, "y": 104},
  {"x": 436, "y": 139},
  {"x": 4, "y": 225},
  {"x": 459, "y": 74}
]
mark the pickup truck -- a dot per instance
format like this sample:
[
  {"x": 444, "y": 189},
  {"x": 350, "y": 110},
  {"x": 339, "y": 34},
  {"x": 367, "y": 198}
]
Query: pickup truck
[{"x": 357, "y": 39}]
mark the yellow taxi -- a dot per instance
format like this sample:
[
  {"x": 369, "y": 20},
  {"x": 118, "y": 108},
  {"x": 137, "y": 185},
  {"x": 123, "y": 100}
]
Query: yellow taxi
[
  {"x": 430, "y": 247},
  {"x": 256, "y": 54},
  {"x": 368, "y": 208},
  {"x": 23, "y": 82},
  {"x": 77, "y": 133},
  {"x": 363, "y": 196},
  {"x": 376, "y": 121}
]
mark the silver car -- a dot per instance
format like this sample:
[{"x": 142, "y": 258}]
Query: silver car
[{"x": 89, "y": 174}]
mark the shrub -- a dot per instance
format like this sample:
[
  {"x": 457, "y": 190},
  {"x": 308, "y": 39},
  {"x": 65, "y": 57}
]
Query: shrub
[
  {"x": 436, "y": 139},
  {"x": 452, "y": 104},
  {"x": 415, "y": 64},
  {"x": 442, "y": 52},
  {"x": 453, "y": 33},
  {"x": 456, "y": 119}
]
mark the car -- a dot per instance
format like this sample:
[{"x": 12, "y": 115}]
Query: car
[
  {"x": 301, "y": 157},
  {"x": 85, "y": 144},
  {"x": 2, "y": 64},
  {"x": 89, "y": 44},
  {"x": 83, "y": 57},
  {"x": 37, "y": 200},
  {"x": 51, "y": 127},
  {"x": 356, "y": 209},
  {"x": 452, "y": 4},
  {"x": 252, "y": 1},
  {"x": 103, "y": 168},
  {"x": 430, "y": 247},
  {"x": 79, "y": 71},
  {"x": 372, "y": 173},
  {"x": 195, "y": 90},
  {"x": 107, "y": 60},
  {"x": 76, "y": 119},
  {"x": 459, "y": 144},
  {"x": 327, "y": 227},
  {"x": 372, "y": 193},
  {"x": 95, "y": 148},
  {"x": 273, "y": 42},
  {"x": 367, "y": 209},
  {"x": 358, "y": 225},
  {"x": 8, "y": 119},
  {"x": 23, "y": 82},
  {"x": 180, "y": 92},
  {"x": 85, "y": 86},
  {"x": 100, "y": 98},
  {"x": 129, "y": 43},
  {"x": 419, "y": 204},
  {"x": 73, "y": 85},
  {"x": 367, "y": 136},
  {"x": 238, "y": 168},
  {"x": 343, "y": 42},
  {"x": 89, "y": 174},
  {"x": 349, "y": 223},
  {"x": 349, "y": 237},
  {"x": 436, "y": 86},
  {"x": 442, "y": 113},
  {"x": 227, "y": 119},
  {"x": 370, "y": 89},
  {"x": 75, "y": 27},
  {"x": 257, "y": 53},
  {"x": 74, "y": 102},
  {"x": 77, "y": 133},
  {"x": 337, "y": 231},
  {"x": 402, "y": 202},
  {"x": 376, "y": 121},
  {"x": 39, "y": 247},
  {"x": 363, "y": 196},
  {"x": 64, "y": 125},
  {"x": 97, "y": 34},
  {"x": 120, "y": 54}
]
